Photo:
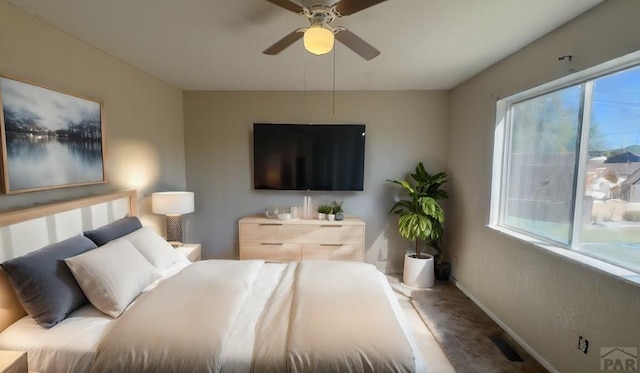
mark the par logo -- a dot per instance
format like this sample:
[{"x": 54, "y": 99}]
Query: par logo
[{"x": 619, "y": 358}]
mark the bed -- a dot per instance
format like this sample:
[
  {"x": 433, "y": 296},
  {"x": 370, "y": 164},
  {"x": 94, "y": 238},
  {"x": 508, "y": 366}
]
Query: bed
[{"x": 144, "y": 308}]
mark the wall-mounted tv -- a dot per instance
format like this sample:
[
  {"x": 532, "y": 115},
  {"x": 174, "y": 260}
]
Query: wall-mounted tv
[{"x": 308, "y": 156}]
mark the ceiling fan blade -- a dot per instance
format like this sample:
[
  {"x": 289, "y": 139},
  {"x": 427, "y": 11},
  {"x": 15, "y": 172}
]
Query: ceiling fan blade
[
  {"x": 348, "y": 7},
  {"x": 288, "y": 5},
  {"x": 356, "y": 44},
  {"x": 283, "y": 43}
]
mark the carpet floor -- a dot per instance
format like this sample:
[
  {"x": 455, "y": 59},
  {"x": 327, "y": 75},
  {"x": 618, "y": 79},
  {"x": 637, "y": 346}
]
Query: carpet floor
[{"x": 465, "y": 333}]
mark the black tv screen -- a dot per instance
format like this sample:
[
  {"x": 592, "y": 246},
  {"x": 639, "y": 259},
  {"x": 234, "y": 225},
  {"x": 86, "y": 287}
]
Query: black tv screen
[{"x": 308, "y": 156}]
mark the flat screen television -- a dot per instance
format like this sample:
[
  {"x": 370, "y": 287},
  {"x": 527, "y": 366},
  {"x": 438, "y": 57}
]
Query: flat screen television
[{"x": 308, "y": 156}]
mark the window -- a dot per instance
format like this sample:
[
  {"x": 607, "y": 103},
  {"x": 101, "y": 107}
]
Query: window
[{"x": 567, "y": 164}]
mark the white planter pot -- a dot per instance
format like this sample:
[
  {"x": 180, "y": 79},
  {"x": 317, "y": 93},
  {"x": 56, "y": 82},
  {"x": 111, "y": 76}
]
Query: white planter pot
[
  {"x": 418, "y": 273},
  {"x": 321, "y": 216},
  {"x": 331, "y": 217}
]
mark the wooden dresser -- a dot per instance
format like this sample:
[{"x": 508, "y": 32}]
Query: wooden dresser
[{"x": 295, "y": 240}]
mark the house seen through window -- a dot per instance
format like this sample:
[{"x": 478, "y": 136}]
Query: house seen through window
[{"x": 569, "y": 166}]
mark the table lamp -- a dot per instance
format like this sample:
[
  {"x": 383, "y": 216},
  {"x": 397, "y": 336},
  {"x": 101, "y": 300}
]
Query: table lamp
[{"x": 173, "y": 205}]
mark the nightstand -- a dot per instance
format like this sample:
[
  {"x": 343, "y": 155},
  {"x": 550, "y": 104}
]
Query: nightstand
[
  {"x": 13, "y": 362},
  {"x": 191, "y": 251}
]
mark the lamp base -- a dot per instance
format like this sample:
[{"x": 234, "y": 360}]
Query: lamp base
[
  {"x": 174, "y": 228},
  {"x": 176, "y": 244}
]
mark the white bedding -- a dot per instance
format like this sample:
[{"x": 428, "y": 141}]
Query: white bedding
[
  {"x": 342, "y": 321},
  {"x": 71, "y": 345},
  {"x": 65, "y": 348}
]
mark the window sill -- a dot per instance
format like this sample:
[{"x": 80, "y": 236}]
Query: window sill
[{"x": 608, "y": 268}]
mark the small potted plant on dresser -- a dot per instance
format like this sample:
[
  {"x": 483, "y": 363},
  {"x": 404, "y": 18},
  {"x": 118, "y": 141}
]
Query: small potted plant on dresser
[
  {"x": 421, "y": 219},
  {"x": 338, "y": 209},
  {"x": 323, "y": 211},
  {"x": 331, "y": 216}
]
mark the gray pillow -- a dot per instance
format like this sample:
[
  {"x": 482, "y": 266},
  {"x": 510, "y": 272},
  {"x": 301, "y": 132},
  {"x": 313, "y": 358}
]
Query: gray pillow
[
  {"x": 44, "y": 284},
  {"x": 111, "y": 231}
]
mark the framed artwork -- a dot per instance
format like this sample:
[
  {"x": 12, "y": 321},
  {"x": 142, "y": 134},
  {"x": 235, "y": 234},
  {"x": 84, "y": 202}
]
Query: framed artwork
[{"x": 50, "y": 139}]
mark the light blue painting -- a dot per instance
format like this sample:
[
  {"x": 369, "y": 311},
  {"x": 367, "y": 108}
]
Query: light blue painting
[{"x": 51, "y": 139}]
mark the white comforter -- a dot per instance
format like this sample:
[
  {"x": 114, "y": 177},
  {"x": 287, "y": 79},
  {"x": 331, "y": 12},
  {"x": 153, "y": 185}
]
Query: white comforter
[
  {"x": 232, "y": 316},
  {"x": 331, "y": 317}
]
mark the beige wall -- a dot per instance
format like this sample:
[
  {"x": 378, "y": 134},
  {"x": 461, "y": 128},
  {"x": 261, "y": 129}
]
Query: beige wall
[
  {"x": 546, "y": 299},
  {"x": 403, "y": 128},
  {"x": 142, "y": 115}
]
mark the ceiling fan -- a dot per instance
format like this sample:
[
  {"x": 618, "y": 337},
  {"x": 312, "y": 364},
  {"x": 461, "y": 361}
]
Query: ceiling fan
[{"x": 319, "y": 36}]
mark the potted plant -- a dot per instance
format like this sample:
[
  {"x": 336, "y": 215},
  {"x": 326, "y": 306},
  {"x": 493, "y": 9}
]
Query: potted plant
[
  {"x": 338, "y": 210},
  {"x": 421, "y": 219},
  {"x": 323, "y": 210},
  {"x": 331, "y": 216}
]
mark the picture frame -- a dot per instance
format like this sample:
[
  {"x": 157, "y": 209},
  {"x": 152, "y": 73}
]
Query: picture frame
[{"x": 49, "y": 138}]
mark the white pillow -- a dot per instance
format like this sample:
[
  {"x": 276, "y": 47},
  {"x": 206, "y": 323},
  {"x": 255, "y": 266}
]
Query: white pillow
[
  {"x": 153, "y": 247},
  {"x": 112, "y": 275}
]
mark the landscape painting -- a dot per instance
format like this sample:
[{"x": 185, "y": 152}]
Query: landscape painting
[{"x": 49, "y": 139}]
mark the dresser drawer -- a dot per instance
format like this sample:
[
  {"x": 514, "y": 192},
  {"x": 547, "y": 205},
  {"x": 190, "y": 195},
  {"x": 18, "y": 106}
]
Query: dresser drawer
[
  {"x": 345, "y": 252},
  {"x": 302, "y": 233},
  {"x": 268, "y": 232},
  {"x": 271, "y": 252},
  {"x": 332, "y": 233}
]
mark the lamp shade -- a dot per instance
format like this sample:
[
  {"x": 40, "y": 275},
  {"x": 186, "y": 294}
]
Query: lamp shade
[
  {"x": 172, "y": 203},
  {"x": 318, "y": 40}
]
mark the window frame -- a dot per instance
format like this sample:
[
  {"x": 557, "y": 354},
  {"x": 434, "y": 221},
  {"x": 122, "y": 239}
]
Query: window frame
[{"x": 501, "y": 164}]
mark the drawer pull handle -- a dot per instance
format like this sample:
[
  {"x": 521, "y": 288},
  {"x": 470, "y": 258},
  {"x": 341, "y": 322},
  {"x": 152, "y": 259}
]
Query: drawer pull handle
[
  {"x": 271, "y": 224},
  {"x": 331, "y": 244},
  {"x": 330, "y": 226},
  {"x": 271, "y": 244}
]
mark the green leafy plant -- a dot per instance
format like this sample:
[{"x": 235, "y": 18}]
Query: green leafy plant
[
  {"x": 337, "y": 207},
  {"x": 421, "y": 216},
  {"x": 325, "y": 209}
]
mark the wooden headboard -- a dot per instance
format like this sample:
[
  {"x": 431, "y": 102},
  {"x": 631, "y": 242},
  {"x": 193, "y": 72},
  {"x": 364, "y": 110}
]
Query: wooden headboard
[{"x": 26, "y": 230}]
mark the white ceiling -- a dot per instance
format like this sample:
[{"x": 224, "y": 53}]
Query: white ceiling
[{"x": 218, "y": 44}]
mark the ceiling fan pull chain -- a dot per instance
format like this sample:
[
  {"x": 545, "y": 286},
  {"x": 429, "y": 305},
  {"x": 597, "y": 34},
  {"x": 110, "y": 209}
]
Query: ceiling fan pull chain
[{"x": 334, "y": 81}]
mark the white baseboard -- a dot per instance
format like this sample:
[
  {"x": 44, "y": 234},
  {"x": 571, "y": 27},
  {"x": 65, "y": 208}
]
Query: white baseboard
[{"x": 509, "y": 331}]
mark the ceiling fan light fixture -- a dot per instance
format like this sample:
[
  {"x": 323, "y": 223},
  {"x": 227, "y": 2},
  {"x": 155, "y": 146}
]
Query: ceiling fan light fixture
[{"x": 318, "y": 40}]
